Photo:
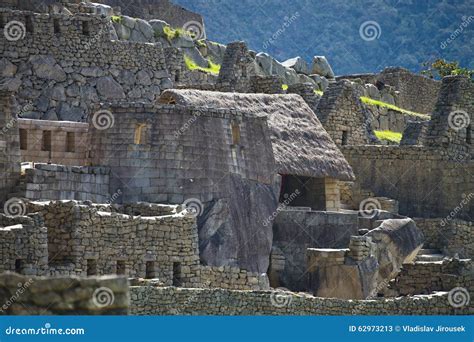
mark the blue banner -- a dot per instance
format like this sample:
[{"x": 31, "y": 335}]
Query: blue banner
[{"x": 237, "y": 328}]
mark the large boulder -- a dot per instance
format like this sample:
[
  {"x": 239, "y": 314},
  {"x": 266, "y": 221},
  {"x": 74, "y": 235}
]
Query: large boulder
[
  {"x": 7, "y": 69},
  {"x": 194, "y": 54},
  {"x": 46, "y": 67},
  {"x": 231, "y": 230},
  {"x": 215, "y": 51},
  {"x": 271, "y": 66},
  {"x": 109, "y": 89},
  {"x": 298, "y": 64},
  {"x": 321, "y": 67},
  {"x": 398, "y": 242}
]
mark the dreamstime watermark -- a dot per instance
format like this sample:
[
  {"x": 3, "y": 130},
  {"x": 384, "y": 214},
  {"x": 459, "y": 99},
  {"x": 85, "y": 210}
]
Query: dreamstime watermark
[
  {"x": 369, "y": 207},
  {"x": 95, "y": 38},
  {"x": 193, "y": 207},
  {"x": 14, "y": 207},
  {"x": 187, "y": 124},
  {"x": 110, "y": 201},
  {"x": 466, "y": 21},
  {"x": 195, "y": 28},
  {"x": 102, "y": 297},
  {"x": 287, "y": 22},
  {"x": 280, "y": 299},
  {"x": 458, "y": 119},
  {"x": 370, "y": 30},
  {"x": 458, "y": 297},
  {"x": 12, "y": 122},
  {"x": 103, "y": 119},
  {"x": 22, "y": 287},
  {"x": 282, "y": 206},
  {"x": 14, "y": 30},
  {"x": 464, "y": 202}
]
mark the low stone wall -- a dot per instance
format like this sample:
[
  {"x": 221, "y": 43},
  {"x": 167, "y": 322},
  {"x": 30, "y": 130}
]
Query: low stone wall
[
  {"x": 23, "y": 244},
  {"x": 227, "y": 277},
  {"x": 425, "y": 277},
  {"x": 388, "y": 119},
  {"x": 21, "y": 295},
  {"x": 59, "y": 182},
  {"x": 452, "y": 237},
  {"x": 171, "y": 301}
]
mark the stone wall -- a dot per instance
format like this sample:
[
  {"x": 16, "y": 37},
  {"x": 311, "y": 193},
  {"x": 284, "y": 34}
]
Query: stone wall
[
  {"x": 164, "y": 247},
  {"x": 294, "y": 231},
  {"x": 64, "y": 142},
  {"x": 451, "y": 236},
  {"x": 392, "y": 120},
  {"x": 63, "y": 64},
  {"x": 417, "y": 93},
  {"x": 227, "y": 277},
  {"x": 414, "y": 133},
  {"x": 23, "y": 243},
  {"x": 451, "y": 125},
  {"x": 343, "y": 116},
  {"x": 424, "y": 181},
  {"x": 24, "y": 295},
  {"x": 60, "y": 182},
  {"x": 9, "y": 145},
  {"x": 425, "y": 277},
  {"x": 171, "y": 301},
  {"x": 306, "y": 91}
]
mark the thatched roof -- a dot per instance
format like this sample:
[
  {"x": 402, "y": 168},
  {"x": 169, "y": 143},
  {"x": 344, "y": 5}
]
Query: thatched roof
[{"x": 300, "y": 143}]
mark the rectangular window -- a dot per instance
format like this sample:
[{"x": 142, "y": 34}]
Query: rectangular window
[
  {"x": 150, "y": 270},
  {"x": 235, "y": 133},
  {"x": 46, "y": 141},
  {"x": 57, "y": 26},
  {"x": 120, "y": 267},
  {"x": 18, "y": 265},
  {"x": 86, "y": 29},
  {"x": 469, "y": 134},
  {"x": 70, "y": 142},
  {"x": 91, "y": 267},
  {"x": 177, "y": 276},
  {"x": 140, "y": 134},
  {"x": 23, "y": 139},
  {"x": 29, "y": 23},
  {"x": 345, "y": 137}
]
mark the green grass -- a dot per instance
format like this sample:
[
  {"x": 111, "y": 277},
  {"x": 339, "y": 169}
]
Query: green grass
[
  {"x": 389, "y": 136},
  {"x": 319, "y": 92},
  {"x": 212, "y": 69},
  {"x": 369, "y": 101},
  {"x": 116, "y": 19},
  {"x": 284, "y": 86},
  {"x": 171, "y": 33}
]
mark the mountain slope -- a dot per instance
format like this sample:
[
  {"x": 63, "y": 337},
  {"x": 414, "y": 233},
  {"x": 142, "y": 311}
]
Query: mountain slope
[{"x": 411, "y": 31}]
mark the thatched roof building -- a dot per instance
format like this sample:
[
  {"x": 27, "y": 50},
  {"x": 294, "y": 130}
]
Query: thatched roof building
[{"x": 300, "y": 144}]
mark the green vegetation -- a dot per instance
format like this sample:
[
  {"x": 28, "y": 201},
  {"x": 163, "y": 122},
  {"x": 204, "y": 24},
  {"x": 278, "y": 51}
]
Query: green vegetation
[
  {"x": 372, "y": 102},
  {"x": 116, "y": 19},
  {"x": 284, "y": 87},
  {"x": 389, "y": 136},
  {"x": 201, "y": 43},
  {"x": 212, "y": 69},
  {"x": 441, "y": 68},
  {"x": 172, "y": 33},
  {"x": 410, "y": 31},
  {"x": 318, "y": 92}
]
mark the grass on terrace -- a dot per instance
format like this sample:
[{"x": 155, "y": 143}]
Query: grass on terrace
[
  {"x": 389, "y": 136},
  {"x": 212, "y": 69},
  {"x": 369, "y": 101}
]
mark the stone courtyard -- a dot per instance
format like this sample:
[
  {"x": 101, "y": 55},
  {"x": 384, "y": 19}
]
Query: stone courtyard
[{"x": 134, "y": 184}]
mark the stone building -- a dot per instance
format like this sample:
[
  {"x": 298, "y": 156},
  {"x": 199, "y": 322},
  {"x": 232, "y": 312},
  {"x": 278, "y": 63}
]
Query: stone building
[{"x": 343, "y": 116}]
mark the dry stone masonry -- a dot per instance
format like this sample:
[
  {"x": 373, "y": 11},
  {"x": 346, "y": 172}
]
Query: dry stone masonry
[{"x": 182, "y": 176}]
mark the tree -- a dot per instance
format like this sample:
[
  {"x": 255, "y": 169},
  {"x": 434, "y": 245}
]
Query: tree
[{"x": 442, "y": 67}]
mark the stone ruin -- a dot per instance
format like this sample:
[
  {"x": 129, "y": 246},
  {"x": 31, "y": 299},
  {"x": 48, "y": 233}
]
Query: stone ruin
[{"x": 186, "y": 192}]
